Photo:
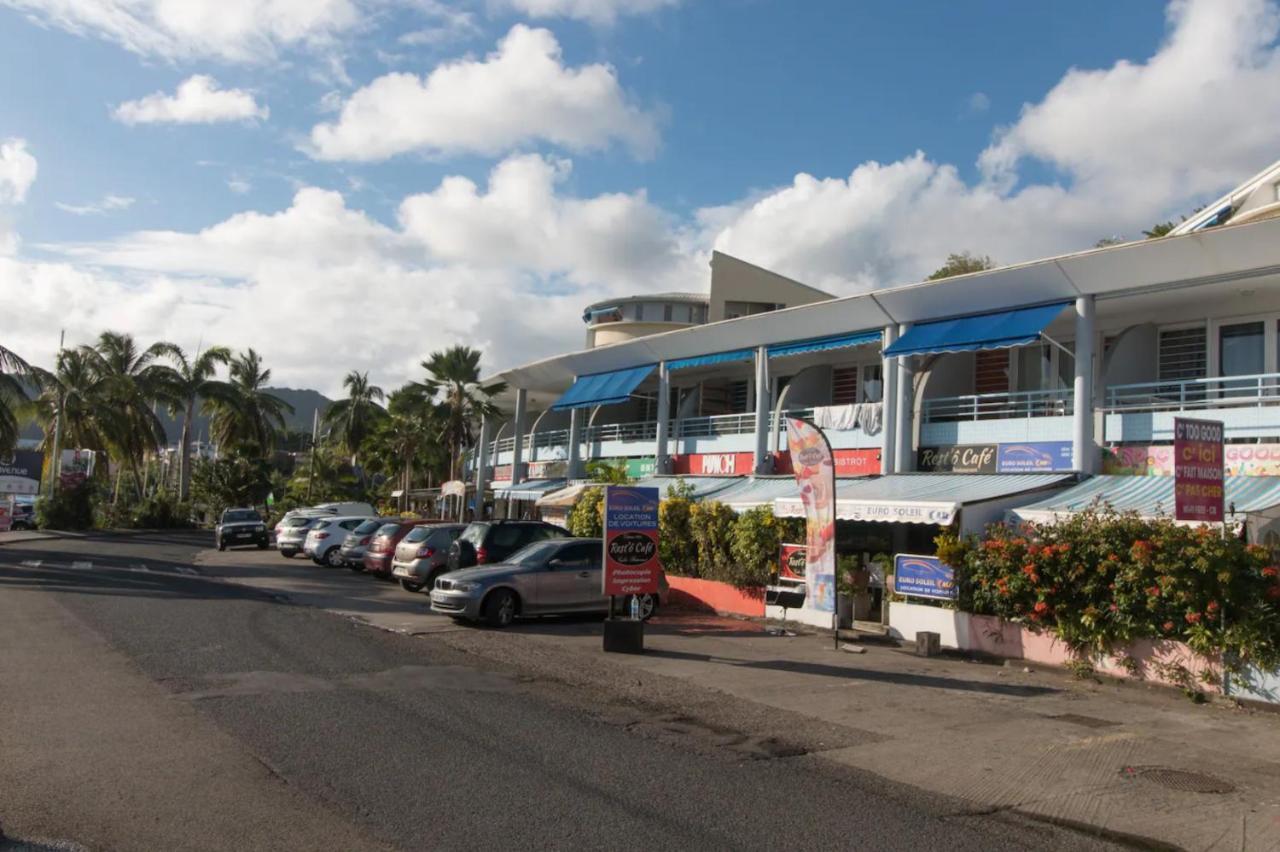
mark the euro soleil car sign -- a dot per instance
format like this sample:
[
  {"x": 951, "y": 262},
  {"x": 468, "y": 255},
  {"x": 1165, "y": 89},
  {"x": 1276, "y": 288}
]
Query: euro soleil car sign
[
  {"x": 923, "y": 577},
  {"x": 1197, "y": 470},
  {"x": 631, "y": 564}
]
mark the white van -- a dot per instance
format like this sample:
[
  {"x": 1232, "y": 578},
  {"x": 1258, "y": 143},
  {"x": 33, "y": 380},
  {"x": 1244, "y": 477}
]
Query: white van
[{"x": 344, "y": 509}]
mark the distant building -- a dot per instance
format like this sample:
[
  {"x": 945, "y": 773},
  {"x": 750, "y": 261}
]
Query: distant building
[
  {"x": 1256, "y": 199},
  {"x": 738, "y": 289}
]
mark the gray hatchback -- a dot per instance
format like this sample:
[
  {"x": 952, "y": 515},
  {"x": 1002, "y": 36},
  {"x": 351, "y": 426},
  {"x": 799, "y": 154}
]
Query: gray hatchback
[
  {"x": 421, "y": 555},
  {"x": 546, "y": 578}
]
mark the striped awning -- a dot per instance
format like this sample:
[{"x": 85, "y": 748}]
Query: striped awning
[{"x": 1150, "y": 497}]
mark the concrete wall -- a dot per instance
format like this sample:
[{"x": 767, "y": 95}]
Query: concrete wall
[
  {"x": 616, "y": 332},
  {"x": 808, "y": 387},
  {"x": 1134, "y": 358},
  {"x": 734, "y": 280}
]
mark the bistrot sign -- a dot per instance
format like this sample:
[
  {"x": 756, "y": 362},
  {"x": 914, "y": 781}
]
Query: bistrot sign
[
  {"x": 631, "y": 564},
  {"x": 1197, "y": 470}
]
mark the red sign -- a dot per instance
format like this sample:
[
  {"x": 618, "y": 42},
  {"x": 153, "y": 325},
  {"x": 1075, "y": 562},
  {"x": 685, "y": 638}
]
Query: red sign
[
  {"x": 631, "y": 564},
  {"x": 856, "y": 462},
  {"x": 791, "y": 561},
  {"x": 1197, "y": 470},
  {"x": 501, "y": 473},
  {"x": 865, "y": 462}
]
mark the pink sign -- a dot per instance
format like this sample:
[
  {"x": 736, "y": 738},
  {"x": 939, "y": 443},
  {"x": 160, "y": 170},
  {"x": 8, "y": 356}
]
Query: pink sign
[
  {"x": 1197, "y": 470},
  {"x": 815, "y": 474},
  {"x": 1238, "y": 460}
]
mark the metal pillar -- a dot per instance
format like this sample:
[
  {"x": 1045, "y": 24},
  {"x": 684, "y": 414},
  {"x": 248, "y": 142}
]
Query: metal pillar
[
  {"x": 904, "y": 454},
  {"x": 517, "y": 446},
  {"x": 482, "y": 466},
  {"x": 762, "y": 411},
  {"x": 1084, "y": 450},
  {"x": 889, "y": 403},
  {"x": 662, "y": 461},
  {"x": 575, "y": 443}
]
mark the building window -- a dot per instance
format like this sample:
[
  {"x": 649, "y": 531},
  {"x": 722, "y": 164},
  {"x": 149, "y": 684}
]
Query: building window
[
  {"x": 667, "y": 310},
  {"x": 733, "y": 310},
  {"x": 738, "y": 396},
  {"x": 1182, "y": 354},
  {"x": 991, "y": 371},
  {"x": 1241, "y": 352},
  {"x": 844, "y": 385}
]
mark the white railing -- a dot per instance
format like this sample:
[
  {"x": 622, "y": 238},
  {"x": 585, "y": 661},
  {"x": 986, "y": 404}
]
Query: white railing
[
  {"x": 1224, "y": 392},
  {"x": 1057, "y": 402},
  {"x": 621, "y": 432}
]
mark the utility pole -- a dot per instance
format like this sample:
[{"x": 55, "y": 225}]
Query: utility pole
[
  {"x": 315, "y": 433},
  {"x": 55, "y": 463}
]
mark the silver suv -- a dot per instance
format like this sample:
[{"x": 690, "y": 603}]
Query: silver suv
[{"x": 423, "y": 555}]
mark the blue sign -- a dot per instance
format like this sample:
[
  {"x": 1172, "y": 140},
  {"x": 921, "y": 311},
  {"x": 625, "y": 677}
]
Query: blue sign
[
  {"x": 627, "y": 508},
  {"x": 1034, "y": 457},
  {"x": 923, "y": 577}
]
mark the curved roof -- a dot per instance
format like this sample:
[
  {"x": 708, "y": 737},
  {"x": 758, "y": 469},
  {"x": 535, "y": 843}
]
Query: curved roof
[{"x": 674, "y": 296}]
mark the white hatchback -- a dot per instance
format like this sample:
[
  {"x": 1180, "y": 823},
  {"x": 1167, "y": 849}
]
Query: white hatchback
[{"x": 326, "y": 536}]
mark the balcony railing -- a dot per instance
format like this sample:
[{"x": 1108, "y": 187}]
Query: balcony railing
[
  {"x": 999, "y": 406},
  {"x": 621, "y": 432},
  {"x": 1224, "y": 392}
]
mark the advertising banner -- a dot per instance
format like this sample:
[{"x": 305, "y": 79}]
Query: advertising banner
[
  {"x": 923, "y": 577},
  {"x": 641, "y": 467},
  {"x": 20, "y": 472},
  {"x": 815, "y": 474},
  {"x": 557, "y": 469},
  {"x": 1157, "y": 460},
  {"x": 1034, "y": 457},
  {"x": 631, "y": 564},
  {"x": 1197, "y": 470},
  {"x": 970, "y": 458},
  {"x": 791, "y": 561}
]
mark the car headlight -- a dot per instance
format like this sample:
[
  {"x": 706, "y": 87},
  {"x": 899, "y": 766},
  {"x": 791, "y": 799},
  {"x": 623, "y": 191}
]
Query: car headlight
[{"x": 465, "y": 586}]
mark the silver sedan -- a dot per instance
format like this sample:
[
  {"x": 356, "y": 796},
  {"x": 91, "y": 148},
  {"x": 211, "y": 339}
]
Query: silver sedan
[{"x": 546, "y": 578}]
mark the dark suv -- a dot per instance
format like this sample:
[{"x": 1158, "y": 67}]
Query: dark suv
[
  {"x": 487, "y": 542},
  {"x": 240, "y": 526}
]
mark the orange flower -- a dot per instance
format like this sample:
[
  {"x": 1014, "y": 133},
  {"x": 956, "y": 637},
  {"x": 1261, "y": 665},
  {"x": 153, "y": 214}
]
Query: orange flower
[
  {"x": 1041, "y": 607},
  {"x": 1154, "y": 591},
  {"x": 1212, "y": 607},
  {"x": 1168, "y": 626},
  {"x": 1193, "y": 618},
  {"x": 1270, "y": 571}
]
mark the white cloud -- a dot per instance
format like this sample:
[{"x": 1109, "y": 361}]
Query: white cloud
[
  {"x": 1132, "y": 144},
  {"x": 238, "y": 185},
  {"x": 520, "y": 93},
  {"x": 198, "y": 100},
  {"x": 604, "y": 12},
  {"x": 226, "y": 30},
  {"x": 17, "y": 171},
  {"x": 95, "y": 208},
  {"x": 447, "y": 24}
]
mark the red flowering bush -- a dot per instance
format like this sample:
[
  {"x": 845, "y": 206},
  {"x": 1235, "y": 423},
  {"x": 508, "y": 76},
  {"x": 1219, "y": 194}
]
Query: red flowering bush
[{"x": 1099, "y": 580}]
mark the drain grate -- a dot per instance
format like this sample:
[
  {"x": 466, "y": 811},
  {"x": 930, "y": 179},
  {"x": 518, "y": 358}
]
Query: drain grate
[
  {"x": 1084, "y": 721},
  {"x": 1179, "y": 779}
]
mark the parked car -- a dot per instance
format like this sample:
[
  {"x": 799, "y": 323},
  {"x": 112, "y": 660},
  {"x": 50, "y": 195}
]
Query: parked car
[
  {"x": 324, "y": 539},
  {"x": 546, "y": 578},
  {"x": 240, "y": 526},
  {"x": 377, "y": 558},
  {"x": 484, "y": 542},
  {"x": 291, "y": 533},
  {"x": 423, "y": 555},
  {"x": 24, "y": 515},
  {"x": 356, "y": 544},
  {"x": 346, "y": 510}
]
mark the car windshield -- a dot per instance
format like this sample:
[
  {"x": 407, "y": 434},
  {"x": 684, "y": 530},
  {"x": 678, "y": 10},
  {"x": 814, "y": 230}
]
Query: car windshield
[
  {"x": 371, "y": 525},
  {"x": 298, "y": 522},
  {"x": 417, "y": 534},
  {"x": 388, "y": 530},
  {"x": 243, "y": 516},
  {"x": 474, "y": 534},
  {"x": 534, "y": 554}
]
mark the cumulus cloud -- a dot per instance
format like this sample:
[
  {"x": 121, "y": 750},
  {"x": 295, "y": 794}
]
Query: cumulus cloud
[
  {"x": 1132, "y": 144},
  {"x": 94, "y": 208},
  {"x": 17, "y": 171},
  {"x": 198, "y": 100},
  {"x": 247, "y": 31},
  {"x": 604, "y": 12},
  {"x": 520, "y": 93}
]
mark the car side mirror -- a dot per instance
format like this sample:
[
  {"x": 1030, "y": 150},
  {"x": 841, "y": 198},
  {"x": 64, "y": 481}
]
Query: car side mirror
[{"x": 557, "y": 562}]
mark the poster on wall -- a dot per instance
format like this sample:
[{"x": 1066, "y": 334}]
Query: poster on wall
[
  {"x": 1034, "y": 457},
  {"x": 815, "y": 474},
  {"x": 1197, "y": 470},
  {"x": 1157, "y": 460},
  {"x": 791, "y": 561},
  {"x": 923, "y": 577},
  {"x": 631, "y": 541}
]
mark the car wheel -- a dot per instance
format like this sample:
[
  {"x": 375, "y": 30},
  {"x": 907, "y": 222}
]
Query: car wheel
[
  {"x": 648, "y": 606},
  {"x": 500, "y": 608},
  {"x": 288, "y": 554},
  {"x": 357, "y": 567},
  {"x": 333, "y": 558},
  {"x": 410, "y": 586},
  {"x": 262, "y": 545}
]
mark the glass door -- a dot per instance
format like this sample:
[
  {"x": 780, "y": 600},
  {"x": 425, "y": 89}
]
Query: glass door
[{"x": 1241, "y": 352}]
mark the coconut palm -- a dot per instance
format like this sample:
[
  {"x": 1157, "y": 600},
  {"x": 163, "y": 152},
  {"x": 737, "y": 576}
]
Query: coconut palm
[
  {"x": 405, "y": 441},
  {"x": 189, "y": 380},
  {"x": 250, "y": 419},
  {"x": 130, "y": 382},
  {"x": 454, "y": 374},
  {"x": 350, "y": 421},
  {"x": 75, "y": 392},
  {"x": 13, "y": 396}
]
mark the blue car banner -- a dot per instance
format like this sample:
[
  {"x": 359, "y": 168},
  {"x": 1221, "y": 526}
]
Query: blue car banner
[{"x": 923, "y": 577}]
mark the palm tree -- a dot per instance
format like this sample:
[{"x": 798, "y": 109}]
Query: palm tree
[
  {"x": 404, "y": 440},
  {"x": 455, "y": 374},
  {"x": 13, "y": 396},
  {"x": 75, "y": 392},
  {"x": 188, "y": 381},
  {"x": 249, "y": 419},
  {"x": 130, "y": 383},
  {"x": 352, "y": 420}
]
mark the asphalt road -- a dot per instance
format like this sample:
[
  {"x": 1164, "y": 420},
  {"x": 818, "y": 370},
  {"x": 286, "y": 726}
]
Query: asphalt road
[{"x": 149, "y": 706}]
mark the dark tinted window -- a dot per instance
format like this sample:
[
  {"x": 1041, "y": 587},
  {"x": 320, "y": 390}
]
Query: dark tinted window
[
  {"x": 444, "y": 537},
  {"x": 509, "y": 535},
  {"x": 240, "y": 517},
  {"x": 417, "y": 534},
  {"x": 534, "y": 554},
  {"x": 389, "y": 530},
  {"x": 350, "y": 525},
  {"x": 368, "y": 526},
  {"x": 589, "y": 552},
  {"x": 298, "y": 522}
]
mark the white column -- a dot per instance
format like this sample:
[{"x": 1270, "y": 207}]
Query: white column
[
  {"x": 661, "y": 460},
  {"x": 517, "y": 447},
  {"x": 762, "y": 410},
  {"x": 1084, "y": 450},
  {"x": 575, "y": 442},
  {"x": 904, "y": 454},
  {"x": 482, "y": 465},
  {"x": 888, "y": 403}
]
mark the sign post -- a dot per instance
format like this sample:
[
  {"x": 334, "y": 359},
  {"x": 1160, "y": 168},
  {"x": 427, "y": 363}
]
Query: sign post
[
  {"x": 631, "y": 566},
  {"x": 1197, "y": 470}
]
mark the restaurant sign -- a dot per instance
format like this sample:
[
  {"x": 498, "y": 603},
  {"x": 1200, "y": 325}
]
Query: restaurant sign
[
  {"x": 1197, "y": 470},
  {"x": 1025, "y": 457}
]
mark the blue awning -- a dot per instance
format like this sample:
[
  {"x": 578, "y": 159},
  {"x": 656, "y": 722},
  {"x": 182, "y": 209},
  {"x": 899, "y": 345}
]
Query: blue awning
[
  {"x": 603, "y": 388},
  {"x": 707, "y": 360},
  {"x": 821, "y": 344},
  {"x": 999, "y": 330}
]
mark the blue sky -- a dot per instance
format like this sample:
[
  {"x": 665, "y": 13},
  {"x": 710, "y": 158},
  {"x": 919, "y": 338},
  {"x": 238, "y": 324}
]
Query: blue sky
[{"x": 630, "y": 137}]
